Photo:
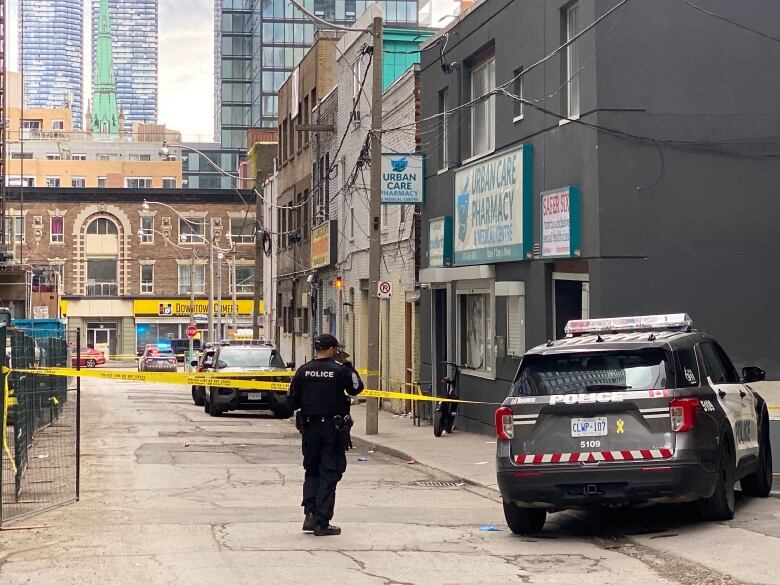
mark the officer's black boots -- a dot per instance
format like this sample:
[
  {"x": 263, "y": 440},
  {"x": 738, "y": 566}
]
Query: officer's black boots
[
  {"x": 328, "y": 530},
  {"x": 308, "y": 523}
]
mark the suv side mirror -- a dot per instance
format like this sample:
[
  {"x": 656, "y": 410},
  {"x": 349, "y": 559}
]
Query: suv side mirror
[
  {"x": 291, "y": 365},
  {"x": 140, "y": 353},
  {"x": 753, "y": 374}
]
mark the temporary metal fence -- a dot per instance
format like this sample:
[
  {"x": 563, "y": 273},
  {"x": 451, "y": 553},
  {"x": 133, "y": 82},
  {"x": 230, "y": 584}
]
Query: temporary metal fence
[{"x": 39, "y": 459}]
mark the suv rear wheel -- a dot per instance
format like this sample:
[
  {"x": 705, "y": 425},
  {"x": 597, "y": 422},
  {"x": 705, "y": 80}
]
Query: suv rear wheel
[
  {"x": 524, "y": 520},
  {"x": 720, "y": 505},
  {"x": 759, "y": 483},
  {"x": 197, "y": 398},
  {"x": 211, "y": 404}
]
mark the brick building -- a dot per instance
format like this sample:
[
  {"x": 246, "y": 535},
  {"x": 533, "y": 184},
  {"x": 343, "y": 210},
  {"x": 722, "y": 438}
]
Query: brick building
[
  {"x": 122, "y": 271},
  {"x": 315, "y": 76}
]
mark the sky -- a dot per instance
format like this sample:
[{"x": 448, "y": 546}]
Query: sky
[{"x": 186, "y": 64}]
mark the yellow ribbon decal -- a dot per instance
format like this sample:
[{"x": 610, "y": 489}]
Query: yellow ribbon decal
[
  {"x": 6, "y": 399},
  {"x": 620, "y": 424}
]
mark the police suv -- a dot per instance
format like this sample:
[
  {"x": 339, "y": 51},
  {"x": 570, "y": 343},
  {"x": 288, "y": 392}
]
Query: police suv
[{"x": 630, "y": 411}]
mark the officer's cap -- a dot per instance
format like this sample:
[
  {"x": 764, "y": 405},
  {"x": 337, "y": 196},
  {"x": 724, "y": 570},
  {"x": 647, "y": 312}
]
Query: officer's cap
[{"x": 325, "y": 341}]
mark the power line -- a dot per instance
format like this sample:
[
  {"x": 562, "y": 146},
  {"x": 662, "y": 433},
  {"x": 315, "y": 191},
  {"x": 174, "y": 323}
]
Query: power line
[
  {"x": 732, "y": 22},
  {"x": 499, "y": 89},
  {"x": 710, "y": 147}
]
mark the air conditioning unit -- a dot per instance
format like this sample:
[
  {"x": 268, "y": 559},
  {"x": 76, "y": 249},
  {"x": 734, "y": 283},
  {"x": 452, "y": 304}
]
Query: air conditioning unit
[{"x": 299, "y": 325}]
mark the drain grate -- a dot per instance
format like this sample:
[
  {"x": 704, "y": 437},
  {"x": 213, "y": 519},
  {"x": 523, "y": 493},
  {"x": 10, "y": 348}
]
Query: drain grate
[{"x": 439, "y": 484}]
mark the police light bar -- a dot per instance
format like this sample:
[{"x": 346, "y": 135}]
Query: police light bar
[{"x": 681, "y": 321}]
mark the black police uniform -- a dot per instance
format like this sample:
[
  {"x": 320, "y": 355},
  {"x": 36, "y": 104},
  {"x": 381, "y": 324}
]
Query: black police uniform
[{"x": 318, "y": 390}]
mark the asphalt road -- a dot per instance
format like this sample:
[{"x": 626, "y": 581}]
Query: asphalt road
[{"x": 173, "y": 496}]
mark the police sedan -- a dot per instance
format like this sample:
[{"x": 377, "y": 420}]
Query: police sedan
[{"x": 630, "y": 411}]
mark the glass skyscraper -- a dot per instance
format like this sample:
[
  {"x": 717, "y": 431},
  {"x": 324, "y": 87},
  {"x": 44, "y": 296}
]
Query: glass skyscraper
[
  {"x": 258, "y": 43},
  {"x": 51, "y": 49},
  {"x": 134, "y": 28}
]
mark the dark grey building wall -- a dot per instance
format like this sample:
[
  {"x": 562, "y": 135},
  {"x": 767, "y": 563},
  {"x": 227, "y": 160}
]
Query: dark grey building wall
[
  {"x": 693, "y": 227},
  {"x": 666, "y": 227}
]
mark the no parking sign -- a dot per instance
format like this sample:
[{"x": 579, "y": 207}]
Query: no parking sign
[{"x": 384, "y": 290}]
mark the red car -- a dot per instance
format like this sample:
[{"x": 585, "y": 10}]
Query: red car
[{"x": 89, "y": 358}]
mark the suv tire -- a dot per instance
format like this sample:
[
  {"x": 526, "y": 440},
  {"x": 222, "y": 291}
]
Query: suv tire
[
  {"x": 720, "y": 505},
  {"x": 196, "y": 398},
  {"x": 759, "y": 483},
  {"x": 524, "y": 520},
  {"x": 213, "y": 409}
]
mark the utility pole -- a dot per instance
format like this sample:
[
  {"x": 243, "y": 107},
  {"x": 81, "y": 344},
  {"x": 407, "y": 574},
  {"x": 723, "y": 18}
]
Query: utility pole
[
  {"x": 211, "y": 279},
  {"x": 375, "y": 207},
  {"x": 218, "y": 337},
  {"x": 234, "y": 288},
  {"x": 259, "y": 255},
  {"x": 192, "y": 305}
]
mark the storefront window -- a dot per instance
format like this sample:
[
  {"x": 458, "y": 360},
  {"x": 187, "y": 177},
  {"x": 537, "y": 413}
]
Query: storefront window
[{"x": 476, "y": 326}]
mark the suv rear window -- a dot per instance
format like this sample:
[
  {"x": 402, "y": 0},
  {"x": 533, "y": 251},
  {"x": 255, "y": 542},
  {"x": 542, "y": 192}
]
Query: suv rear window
[
  {"x": 576, "y": 373},
  {"x": 251, "y": 357}
]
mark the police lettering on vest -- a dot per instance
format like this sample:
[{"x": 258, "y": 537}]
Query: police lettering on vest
[
  {"x": 318, "y": 374},
  {"x": 321, "y": 388}
]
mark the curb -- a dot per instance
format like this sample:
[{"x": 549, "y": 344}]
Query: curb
[{"x": 363, "y": 443}]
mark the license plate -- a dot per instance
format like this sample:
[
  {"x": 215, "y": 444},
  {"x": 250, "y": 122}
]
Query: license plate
[
  {"x": 255, "y": 396},
  {"x": 589, "y": 427}
]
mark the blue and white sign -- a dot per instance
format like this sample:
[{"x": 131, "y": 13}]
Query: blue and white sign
[
  {"x": 493, "y": 208},
  {"x": 440, "y": 242},
  {"x": 402, "y": 178}
]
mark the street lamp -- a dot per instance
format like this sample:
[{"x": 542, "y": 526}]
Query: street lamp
[{"x": 146, "y": 206}]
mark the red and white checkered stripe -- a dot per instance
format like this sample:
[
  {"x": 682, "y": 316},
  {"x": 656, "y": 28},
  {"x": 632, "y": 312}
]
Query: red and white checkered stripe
[{"x": 593, "y": 456}]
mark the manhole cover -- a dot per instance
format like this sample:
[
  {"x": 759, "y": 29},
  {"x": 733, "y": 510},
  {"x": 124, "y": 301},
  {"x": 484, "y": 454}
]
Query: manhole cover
[{"x": 439, "y": 484}]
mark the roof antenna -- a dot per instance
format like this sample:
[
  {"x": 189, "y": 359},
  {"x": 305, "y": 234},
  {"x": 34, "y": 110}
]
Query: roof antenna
[
  {"x": 549, "y": 343},
  {"x": 598, "y": 338},
  {"x": 651, "y": 337}
]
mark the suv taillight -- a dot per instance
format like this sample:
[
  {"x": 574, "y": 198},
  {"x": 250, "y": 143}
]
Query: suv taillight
[
  {"x": 683, "y": 413},
  {"x": 505, "y": 425}
]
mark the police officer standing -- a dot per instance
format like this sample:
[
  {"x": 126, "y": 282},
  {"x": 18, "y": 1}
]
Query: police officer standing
[{"x": 319, "y": 391}]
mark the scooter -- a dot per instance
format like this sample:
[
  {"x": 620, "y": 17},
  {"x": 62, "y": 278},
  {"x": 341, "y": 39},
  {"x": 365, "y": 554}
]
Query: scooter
[{"x": 446, "y": 411}]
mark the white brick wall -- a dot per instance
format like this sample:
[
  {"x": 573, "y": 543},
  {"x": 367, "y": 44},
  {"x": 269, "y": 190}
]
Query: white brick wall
[{"x": 397, "y": 264}]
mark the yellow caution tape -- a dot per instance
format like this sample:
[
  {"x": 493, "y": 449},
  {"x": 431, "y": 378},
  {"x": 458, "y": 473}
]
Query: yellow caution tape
[
  {"x": 6, "y": 400},
  {"x": 159, "y": 378},
  {"x": 216, "y": 381}
]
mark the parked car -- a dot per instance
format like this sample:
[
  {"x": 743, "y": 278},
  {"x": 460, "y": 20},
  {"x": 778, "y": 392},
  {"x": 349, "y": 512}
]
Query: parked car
[
  {"x": 247, "y": 356},
  {"x": 156, "y": 358},
  {"x": 88, "y": 358},
  {"x": 203, "y": 364},
  {"x": 630, "y": 411},
  {"x": 181, "y": 346}
]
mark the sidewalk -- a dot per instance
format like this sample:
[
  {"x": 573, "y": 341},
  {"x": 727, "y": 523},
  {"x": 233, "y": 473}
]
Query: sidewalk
[{"x": 464, "y": 455}]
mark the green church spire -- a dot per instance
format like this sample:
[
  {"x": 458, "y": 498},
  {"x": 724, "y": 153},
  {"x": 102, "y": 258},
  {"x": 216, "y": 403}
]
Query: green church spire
[{"x": 105, "y": 113}]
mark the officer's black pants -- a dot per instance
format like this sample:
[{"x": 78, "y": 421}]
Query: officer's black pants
[{"x": 325, "y": 462}]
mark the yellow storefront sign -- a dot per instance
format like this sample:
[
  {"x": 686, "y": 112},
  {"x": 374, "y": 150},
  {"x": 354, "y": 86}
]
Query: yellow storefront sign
[
  {"x": 322, "y": 245},
  {"x": 183, "y": 307}
]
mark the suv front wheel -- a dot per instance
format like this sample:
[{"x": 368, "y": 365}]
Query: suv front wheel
[
  {"x": 524, "y": 520},
  {"x": 759, "y": 483}
]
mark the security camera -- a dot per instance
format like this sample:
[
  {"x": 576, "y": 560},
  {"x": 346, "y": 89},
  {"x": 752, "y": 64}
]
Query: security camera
[{"x": 310, "y": 278}]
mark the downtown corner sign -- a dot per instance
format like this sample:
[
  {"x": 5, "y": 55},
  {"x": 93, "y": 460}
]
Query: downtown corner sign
[{"x": 493, "y": 208}]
